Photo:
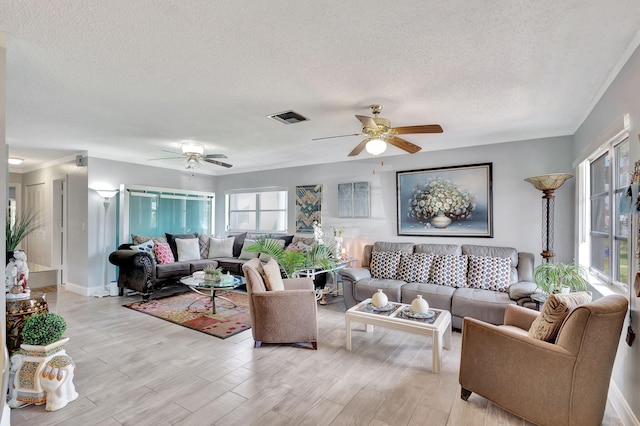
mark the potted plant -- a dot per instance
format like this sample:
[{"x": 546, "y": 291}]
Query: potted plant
[
  {"x": 213, "y": 274},
  {"x": 42, "y": 371},
  {"x": 24, "y": 224},
  {"x": 554, "y": 277},
  {"x": 293, "y": 259}
]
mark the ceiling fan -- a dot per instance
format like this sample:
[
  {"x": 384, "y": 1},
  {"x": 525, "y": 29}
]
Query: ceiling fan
[
  {"x": 193, "y": 155},
  {"x": 380, "y": 133}
]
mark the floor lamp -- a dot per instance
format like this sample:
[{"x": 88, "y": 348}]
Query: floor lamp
[
  {"x": 548, "y": 184},
  {"x": 107, "y": 195}
]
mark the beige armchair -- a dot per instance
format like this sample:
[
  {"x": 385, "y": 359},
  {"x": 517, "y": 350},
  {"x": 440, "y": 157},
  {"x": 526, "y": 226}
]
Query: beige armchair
[
  {"x": 561, "y": 383},
  {"x": 285, "y": 316}
]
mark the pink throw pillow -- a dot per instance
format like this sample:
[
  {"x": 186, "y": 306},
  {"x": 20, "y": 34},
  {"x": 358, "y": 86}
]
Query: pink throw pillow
[{"x": 163, "y": 253}]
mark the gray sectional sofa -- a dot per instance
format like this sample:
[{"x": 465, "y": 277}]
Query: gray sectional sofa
[{"x": 461, "y": 299}]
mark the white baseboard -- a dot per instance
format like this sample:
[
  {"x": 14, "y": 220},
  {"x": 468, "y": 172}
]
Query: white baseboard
[
  {"x": 79, "y": 289},
  {"x": 5, "y": 420},
  {"x": 621, "y": 407}
]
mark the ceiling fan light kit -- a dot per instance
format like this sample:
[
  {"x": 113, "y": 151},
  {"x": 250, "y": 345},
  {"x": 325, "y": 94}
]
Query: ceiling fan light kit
[
  {"x": 376, "y": 146},
  {"x": 380, "y": 133},
  {"x": 192, "y": 148}
]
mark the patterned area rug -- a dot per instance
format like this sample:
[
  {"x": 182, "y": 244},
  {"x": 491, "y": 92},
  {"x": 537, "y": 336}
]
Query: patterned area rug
[{"x": 193, "y": 311}]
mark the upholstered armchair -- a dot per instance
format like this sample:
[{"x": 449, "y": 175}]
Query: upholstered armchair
[
  {"x": 560, "y": 383},
  {"x": 281, "y": 316}
]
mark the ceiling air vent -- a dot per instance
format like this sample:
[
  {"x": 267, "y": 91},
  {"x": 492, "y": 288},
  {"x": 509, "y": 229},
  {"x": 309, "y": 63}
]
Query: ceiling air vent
[{"x": 288, "y": 117}]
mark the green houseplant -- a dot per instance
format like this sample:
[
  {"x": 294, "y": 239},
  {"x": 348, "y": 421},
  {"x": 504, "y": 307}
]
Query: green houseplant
[
  {"x": 43, "y": 329},
  {"x": 212, "y": 274},
  {"x": 24, "y": 224},
  {"x": 292, "y": 259},
  {"x": 552, "y": 277}
]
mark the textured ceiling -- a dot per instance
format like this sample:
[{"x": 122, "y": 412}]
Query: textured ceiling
[{"x": 125, "y": 80}]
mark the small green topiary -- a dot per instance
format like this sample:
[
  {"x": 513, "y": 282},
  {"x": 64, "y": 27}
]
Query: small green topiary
[{"x": 43, "y": 329}]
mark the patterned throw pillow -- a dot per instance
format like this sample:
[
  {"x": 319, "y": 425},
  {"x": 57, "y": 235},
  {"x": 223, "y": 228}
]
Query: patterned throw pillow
[
  {"x": 146, "y": 246},
  {"x": 164, "y": 253},
  {"x": 489, "y": 273},
  {"x": 554, "y": 311},
  {"x": 384, "y": 264},
  {"x": 139, "y": 239},
  {"x": 203, "y": 242},
  {"x": 414, "y": 267},
  {"x": 450, "y": 270}
]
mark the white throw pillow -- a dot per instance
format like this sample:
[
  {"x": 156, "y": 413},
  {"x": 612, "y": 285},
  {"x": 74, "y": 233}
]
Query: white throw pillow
[
  {"x": 272, "y": 276},
  {"x": 247, "y": 255},
  {"x": 221, "y": 247},
  {"x": 188, "y": 249}
]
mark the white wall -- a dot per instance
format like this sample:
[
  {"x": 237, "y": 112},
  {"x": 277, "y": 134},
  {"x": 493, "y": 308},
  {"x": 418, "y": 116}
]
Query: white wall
[
  {"x": 107, "y": 174},
  {"x": 623, "y": 96},
  {"x": 77, "y": 265},
  {"x": 516, "y": 204}
]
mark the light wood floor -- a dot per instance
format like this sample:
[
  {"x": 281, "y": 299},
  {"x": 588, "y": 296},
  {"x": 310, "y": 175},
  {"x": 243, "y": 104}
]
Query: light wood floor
[{"x": 133, "y": 369}]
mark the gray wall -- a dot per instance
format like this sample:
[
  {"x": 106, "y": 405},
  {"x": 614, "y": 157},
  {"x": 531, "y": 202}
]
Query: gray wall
[
  {"x": 517, "y": 204},
  {"x": 622, "y": 96},
  {"x": 105, "y": 174}
]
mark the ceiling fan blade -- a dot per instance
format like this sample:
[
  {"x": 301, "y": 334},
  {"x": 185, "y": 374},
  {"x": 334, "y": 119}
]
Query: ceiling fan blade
[
  {"x": 214, "y": 156},
  {"x": 403, "y": 144},
  {"x": 171, "y": 152},
  {"x": 358, "y": 149},
  {"x": 427, "y": 128},
  {"x": 341, "y": 136},
  {"x": 367, "y": 122},
  {"x": 166, "y": 158},
  {"x": 218, "y": 163}
]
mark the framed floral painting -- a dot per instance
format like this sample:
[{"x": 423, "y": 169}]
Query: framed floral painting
[{"x": 446, "y": 202}]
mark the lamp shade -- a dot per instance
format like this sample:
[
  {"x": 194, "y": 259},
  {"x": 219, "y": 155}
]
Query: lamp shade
[
  {"x": 106, "y": 193},
  {"x": 549, "y": 182},
  {"x": 376, "y": 146}
]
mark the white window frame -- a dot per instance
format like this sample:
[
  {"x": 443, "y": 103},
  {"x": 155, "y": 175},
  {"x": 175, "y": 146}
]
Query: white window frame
[
  {"x": 258, "y": 210},
  {"x": 608, "y": 149}
]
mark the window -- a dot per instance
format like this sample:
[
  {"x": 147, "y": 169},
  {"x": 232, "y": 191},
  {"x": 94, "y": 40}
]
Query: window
[
  {"x": 609, "y": 176},
  {"x": 264, "y": 211}
]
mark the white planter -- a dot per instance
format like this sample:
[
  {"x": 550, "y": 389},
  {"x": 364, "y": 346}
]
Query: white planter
[{"x": 42, "y": 374}]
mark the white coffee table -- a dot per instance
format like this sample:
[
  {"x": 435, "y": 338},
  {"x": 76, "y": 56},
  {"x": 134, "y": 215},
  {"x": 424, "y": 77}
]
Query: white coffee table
[{"x": 438, "y": 327}]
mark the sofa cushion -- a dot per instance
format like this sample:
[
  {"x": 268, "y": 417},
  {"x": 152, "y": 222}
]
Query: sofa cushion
[
  {"x": 139, "y": 239},
  {"x": 438, "y": 296},
  {"x": 238, "y": 242},
  {"x": 272, "y": 276},
  {"x": 164, "y": 254},
  {"x": 489, "y": 273},
  {"x": 449, "y": 270},
  {"x": 384, "y": 264},
  {"x": 188, "y": 249},
  {"x": 506, "y": 252},
  {"x": 171, "y": 239},
  {"x": 247, "y": 255},
  {"x": 487, "y": 305},
  {"x": 365, "y": 288},
  {"x": 382, "y": 246},
  {"x": 200, "y": 264},
  {"x": 231, "y": 264},
  {"x": 522, "y": 289},
  {"x": 414, "y": 267},
  {"x": 220, "y": 247},
  {"x": 554, "y": 311},
  {"x": 438, "y": 249},
  {"x": 147, "y": 246},
  {"x": 173, "y": 270}
]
